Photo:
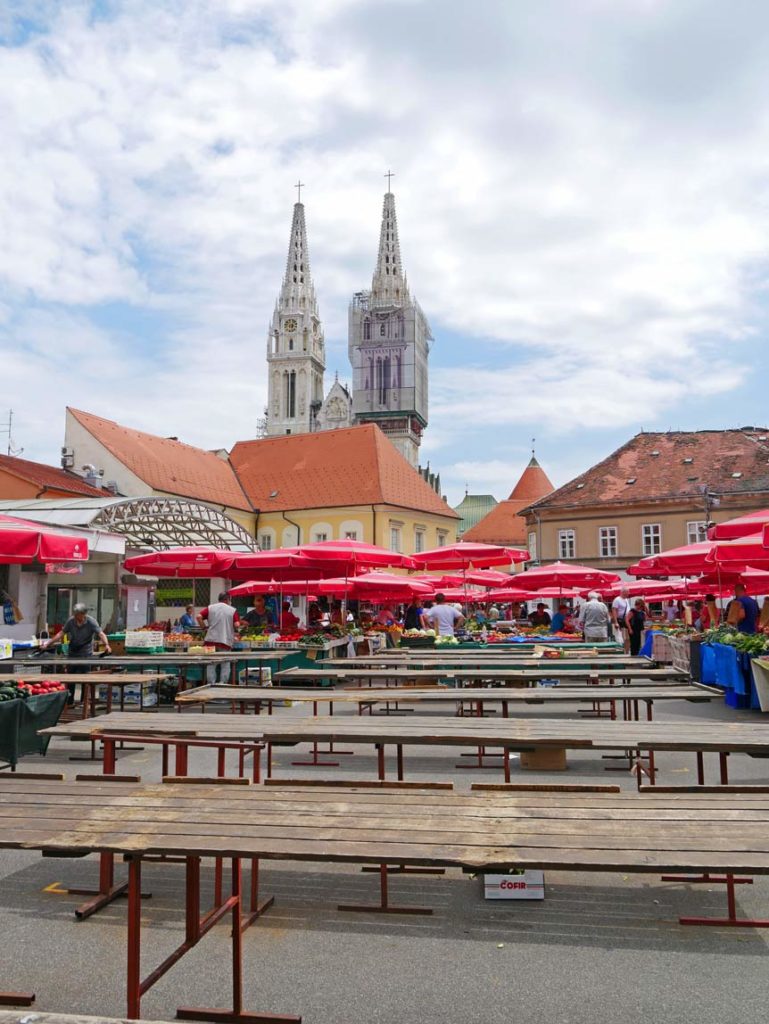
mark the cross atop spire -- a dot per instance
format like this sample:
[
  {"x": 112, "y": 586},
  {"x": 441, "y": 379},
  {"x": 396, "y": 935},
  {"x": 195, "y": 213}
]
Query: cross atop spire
[
  {"x": 388, "y": 286},
  {"x": 299, "y": 186},
  {"x": 389, "y": 175}
]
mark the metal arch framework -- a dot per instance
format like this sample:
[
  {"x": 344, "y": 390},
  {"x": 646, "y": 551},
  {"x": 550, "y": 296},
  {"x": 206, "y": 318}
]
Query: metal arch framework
[{"x": 173, "y": 522}]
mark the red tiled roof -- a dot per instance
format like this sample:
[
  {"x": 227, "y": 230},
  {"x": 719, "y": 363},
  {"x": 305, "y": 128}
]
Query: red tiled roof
[
  {"x": 168, "y": 465},
  {"x": 331, "y": 469},
  {"x": 676, "y": 464},
  {"x": 49, "y": 478},
  {"x": 533, "y": 484},
  {"x": 502, "y": 525}
]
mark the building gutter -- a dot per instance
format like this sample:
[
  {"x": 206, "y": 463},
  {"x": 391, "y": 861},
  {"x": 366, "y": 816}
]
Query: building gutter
[{"x": 296, "y": 526}]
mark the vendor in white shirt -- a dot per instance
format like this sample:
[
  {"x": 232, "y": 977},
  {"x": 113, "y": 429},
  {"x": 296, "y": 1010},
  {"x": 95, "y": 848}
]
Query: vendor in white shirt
[
  {"x": 443, "y": 618},
  {"x": 620, "y": 608}
]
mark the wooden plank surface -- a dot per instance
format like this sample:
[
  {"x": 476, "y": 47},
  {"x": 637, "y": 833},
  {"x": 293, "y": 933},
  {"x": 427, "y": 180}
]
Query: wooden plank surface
[
  {"x": 601, "y": 831},
  {"x": 544, "y": 670},
  {"x": 603, "y": 734},
  {"x": 95, "y": 678}
]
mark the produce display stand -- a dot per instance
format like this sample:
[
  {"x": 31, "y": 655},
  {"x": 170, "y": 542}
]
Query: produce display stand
[
  {"x": 20, "y": 722},
  {"x": 477, "y": 832}
]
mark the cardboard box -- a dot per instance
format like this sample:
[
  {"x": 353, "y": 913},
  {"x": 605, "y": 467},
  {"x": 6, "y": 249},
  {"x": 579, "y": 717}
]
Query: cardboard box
[
  {"x": 515, "y": 885},
  {"x": 6, "y": 648}
]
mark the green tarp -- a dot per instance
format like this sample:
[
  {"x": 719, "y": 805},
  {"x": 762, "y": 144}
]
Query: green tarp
[{"x": 20, "y": 721}]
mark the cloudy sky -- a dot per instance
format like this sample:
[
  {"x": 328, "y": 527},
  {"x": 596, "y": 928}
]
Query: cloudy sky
[{"x": 582, "y": 190}]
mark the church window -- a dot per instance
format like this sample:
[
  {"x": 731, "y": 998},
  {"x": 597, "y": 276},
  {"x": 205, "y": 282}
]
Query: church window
[
  {"x": 382, "y": 329},
  {"x": 367, "y": 330},
  {"x": 387, "y": 259},
  {"x": 290, "y": 393},
  {"x": 294, "y": 278},
  {"x": 290, "y": 343}
]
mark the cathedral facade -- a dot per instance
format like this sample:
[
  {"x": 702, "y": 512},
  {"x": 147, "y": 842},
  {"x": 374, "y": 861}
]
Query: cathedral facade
[{"x": 388, "y": 346}]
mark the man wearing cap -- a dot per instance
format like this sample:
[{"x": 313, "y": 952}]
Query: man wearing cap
[{"x": 80, "y": 629}]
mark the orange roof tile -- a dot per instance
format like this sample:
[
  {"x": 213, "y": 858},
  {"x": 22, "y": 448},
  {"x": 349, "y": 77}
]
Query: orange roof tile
[
  {"x": 676, "y": 464},
  {"x": 533, "y": 484},
  {"x": 49, "y": 478},
  {"x": 168, "y": 465},
  {"x": 502, "y": 525},
  {"x": 331, "y": 469}
]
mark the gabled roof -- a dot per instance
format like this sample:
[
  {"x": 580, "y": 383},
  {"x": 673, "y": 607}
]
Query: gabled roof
[
  {"x": 672, "y": 465},
  {"x": 504, "y": 524},
  {"x": 168, "y": 465},
  {"x": 332, "y": 469},
  {"x": 47, "y": 478}
]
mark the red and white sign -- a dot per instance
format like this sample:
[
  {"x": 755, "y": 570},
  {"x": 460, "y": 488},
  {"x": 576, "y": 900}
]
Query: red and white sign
[
  {"x": 64, "y": 568},
  {"x": 517, "y": 885}
]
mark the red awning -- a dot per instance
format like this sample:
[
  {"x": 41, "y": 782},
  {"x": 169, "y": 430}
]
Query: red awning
[
  {"x": 22, "y": 542},
  {"x": 187, "y": 563}
]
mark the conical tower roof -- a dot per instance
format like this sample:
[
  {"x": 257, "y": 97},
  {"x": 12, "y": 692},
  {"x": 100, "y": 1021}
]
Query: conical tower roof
[
  {"x": 388, "y": 285},
  {"x": 533, "y": 484},
  {"x": 297, "y": 281}
]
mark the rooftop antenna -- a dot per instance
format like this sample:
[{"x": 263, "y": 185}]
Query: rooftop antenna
[{"x": 7, "y": 429}]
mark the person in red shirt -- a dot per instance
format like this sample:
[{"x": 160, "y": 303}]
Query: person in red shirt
[{"x": 288, "y": 620}]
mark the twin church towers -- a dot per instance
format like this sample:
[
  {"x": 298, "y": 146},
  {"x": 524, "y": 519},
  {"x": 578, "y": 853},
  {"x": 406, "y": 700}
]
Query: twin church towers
[{"x": 388, "y": 345}]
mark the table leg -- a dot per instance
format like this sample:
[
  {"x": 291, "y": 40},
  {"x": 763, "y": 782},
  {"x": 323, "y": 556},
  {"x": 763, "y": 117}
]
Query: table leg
[
  {"x": 731, "y": 920},
  {"x": 384, "y": 906}
]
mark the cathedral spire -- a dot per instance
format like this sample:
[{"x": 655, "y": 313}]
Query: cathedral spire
[
  {"x": 388, "y": 286},
  {"x": 298, "y": 290}
]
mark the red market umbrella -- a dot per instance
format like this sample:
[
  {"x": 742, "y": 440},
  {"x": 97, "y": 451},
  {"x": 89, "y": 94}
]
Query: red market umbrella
[
  {"x": 353, "y": 555},
  {"x": 564, "y": 574},
  {"x": 468, "y": 555},
  {"x": 187, "y": 563},
  {"x": 742, "y": 526},
  {"x": 755, "y": 581},
  {"x": 748, "y": 550},
  {"x": 280, "y": 564},
  {"x": 642, "y": 588},
  {"x": 515, "y": 594},
  {"x": 23, "y": 542},
  {"x": 271, "y": 587},
  {"x": 688, "y": 560},
  {"x": 380, "y": 583}
]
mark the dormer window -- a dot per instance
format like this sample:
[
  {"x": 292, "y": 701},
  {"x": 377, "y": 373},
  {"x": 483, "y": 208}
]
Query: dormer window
[{"x": 688, "y": 461}]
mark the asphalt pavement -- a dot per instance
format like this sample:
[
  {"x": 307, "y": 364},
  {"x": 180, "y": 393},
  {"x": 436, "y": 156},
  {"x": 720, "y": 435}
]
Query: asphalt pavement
[{"x": 598, "y": 949}]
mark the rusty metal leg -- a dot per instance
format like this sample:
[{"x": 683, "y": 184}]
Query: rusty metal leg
[
  {"x": 731, "y": 920},
  {"x": 384, "y": 906},
  {"x": 700, "y": 768},
  {"x": 133, "y": 957},
  {"x": 256, "y": 906},
  {"x": 399, "y": 760},
  {"x": 724, "y": 768},
  {"x": 380, "y": 761},
  {"x": 235, "y": 1015}
]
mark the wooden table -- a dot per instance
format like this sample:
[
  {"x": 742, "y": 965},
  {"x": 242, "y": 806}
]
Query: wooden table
[
  {"x": 369, "y": 697},
  {"x": 88, "y": 681},
  {"x": 180, "y": 660},
  {"x": 477, "y": 832},
  {"x": 459, "y": 676}
]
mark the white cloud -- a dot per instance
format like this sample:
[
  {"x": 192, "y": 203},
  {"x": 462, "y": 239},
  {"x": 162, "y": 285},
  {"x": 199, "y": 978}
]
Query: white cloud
[{"x": 581, "y": 191}]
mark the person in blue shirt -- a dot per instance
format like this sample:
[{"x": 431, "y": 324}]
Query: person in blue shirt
[
  {"x": 559, "y": 619},
  {"x": 187, "y": 621},
  {"x": 743, "y": 611}
]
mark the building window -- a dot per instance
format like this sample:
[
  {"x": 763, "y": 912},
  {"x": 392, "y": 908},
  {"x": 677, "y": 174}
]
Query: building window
[
  {"x": 419, "y": 541},
  {"x": 290, "y": 393},
  {"x": 395, "y": 538},
  {"x": 651, "y": 538},
  {"x": 350, "y": 534},
  {"x": 696, "y": 531},
  {"x": 265, "y": 541},
  {"x": 607, "y": 541},
  {"x": 441, "y": 539},
  {"x": 533, "y": 546},
  {"x": 567, "y": 544},
  {"x": 319, "y": 536},
  {"x": 367, "y": 330},
  {"x": 382, "y": 330}
]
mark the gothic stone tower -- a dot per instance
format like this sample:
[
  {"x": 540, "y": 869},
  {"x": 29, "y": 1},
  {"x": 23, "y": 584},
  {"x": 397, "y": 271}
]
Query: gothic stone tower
[
  {"x": 296, "y": 357},
  {"x": 388, "y": 343}
]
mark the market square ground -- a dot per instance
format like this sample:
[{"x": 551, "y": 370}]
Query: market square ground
[{"x": 600, "y": 948}]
